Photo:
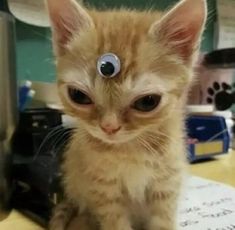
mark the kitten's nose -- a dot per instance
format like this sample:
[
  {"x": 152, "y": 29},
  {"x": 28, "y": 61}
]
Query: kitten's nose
[{"x": 110, "y": 129}]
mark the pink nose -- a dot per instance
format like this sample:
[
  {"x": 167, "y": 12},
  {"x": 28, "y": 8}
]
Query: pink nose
[{"x": 109, "y": 129}]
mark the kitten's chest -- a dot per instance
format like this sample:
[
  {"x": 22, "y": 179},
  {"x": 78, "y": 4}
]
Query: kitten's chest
[{"x": 135, "y": 179}]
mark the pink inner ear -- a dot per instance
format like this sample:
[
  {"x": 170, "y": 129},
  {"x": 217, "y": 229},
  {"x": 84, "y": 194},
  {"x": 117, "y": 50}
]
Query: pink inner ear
[
  {"x": 182, "y": 27},
  {"x": 67, "y": 18},
  {"x": 63, "y": 33},
  {"x": 64, "y": 18},
  {"x": 183, "y": 41}
]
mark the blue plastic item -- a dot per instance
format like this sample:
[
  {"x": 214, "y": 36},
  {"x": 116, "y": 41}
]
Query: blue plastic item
[{"x": 211, "y": 134}]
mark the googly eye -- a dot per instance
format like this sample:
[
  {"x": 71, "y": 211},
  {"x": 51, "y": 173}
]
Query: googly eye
[{"x": 108, "y": 65}]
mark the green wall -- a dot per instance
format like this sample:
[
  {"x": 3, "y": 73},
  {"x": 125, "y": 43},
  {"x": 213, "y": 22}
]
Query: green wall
[{"x": 34, "y": 57}]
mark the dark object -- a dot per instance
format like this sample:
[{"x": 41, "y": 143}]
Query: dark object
[
  {"x": 4, "y": 6},
  {"x": 33, "y": 126},
  {"x": 8, "y": 102},
  {"x": 224, "y": 58},
  {"x": 39, "y": 143},
  {"x": 211, "y": 137},
  {"x": 224, "y": 100},
  {"x": 107, "y": 69},
  {"x": 5, "y": 181}
]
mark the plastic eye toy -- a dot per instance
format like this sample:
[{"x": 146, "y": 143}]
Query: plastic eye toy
[{"x": 108, "y": 65}]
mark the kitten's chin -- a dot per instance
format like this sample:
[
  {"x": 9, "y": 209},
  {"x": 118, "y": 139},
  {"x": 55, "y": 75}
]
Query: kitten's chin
[{"x": 115, "y": 139}]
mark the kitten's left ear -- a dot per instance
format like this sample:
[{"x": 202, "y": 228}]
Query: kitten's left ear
[
  {"x": 181, "y": 28},
  {"x": 68, "y": 18}
]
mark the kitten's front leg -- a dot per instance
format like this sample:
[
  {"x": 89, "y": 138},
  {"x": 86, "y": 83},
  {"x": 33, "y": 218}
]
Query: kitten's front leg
[
  {"x": 63, "y": 214},
  {"x": 112, "y": 215},
  {"x": 163, "y": 213},
  {"x": 115, "y": 222},
  {"x": 163, "y": 208}
]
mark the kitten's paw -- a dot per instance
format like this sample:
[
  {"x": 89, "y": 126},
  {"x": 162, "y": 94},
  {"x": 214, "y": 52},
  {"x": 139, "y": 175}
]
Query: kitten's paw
[
  {"x": 82, "y": 222},
  {"x": 162, "y": 222},
  {"x": 56, "y": 225},
  {"x": 62, "y": 216}
]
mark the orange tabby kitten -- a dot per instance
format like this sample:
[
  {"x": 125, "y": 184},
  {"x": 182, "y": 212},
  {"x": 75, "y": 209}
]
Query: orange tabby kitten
[{"x": 124, "y": 75}]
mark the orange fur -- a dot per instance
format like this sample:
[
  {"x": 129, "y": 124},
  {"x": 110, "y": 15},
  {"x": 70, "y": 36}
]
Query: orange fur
[{"x": 130, "y": 179}]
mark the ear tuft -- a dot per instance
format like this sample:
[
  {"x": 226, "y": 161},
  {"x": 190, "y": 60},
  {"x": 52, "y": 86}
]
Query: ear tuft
[
  {"x": 182, "y": 27},
  {"x": 67, "y": 19}
]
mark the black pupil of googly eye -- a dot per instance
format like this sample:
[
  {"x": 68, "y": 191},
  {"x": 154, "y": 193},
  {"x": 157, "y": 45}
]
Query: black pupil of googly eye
[{"x": 107, "y": 68}]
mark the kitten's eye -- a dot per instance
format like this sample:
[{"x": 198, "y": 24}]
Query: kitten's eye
[
  {"x": 108, "y": 65},
  {"x": 78, "y": 96},
  {"x": 147, "y": 103}
]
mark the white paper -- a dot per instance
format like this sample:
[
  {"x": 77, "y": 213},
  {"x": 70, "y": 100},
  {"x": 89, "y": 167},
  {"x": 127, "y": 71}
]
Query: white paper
[
  {"x": 226, "y": 23},
  {"x": 207, "y": 205}
]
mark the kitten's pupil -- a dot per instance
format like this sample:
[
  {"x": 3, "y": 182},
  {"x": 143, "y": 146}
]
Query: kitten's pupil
[
  {"x": 78, "y": 97},
  {"x": 147, "y": 103},
  {"x": 107, "y": 68}
]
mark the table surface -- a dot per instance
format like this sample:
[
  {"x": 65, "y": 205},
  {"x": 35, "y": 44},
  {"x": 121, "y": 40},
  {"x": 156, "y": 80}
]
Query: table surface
[{"x": 221, "y": 169}]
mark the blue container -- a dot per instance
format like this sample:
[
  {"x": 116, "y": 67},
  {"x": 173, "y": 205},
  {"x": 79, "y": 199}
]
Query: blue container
[{"x": 211, "y": 134}]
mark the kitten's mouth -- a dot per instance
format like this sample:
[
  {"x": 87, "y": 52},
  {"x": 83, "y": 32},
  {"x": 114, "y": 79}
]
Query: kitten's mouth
[
  {"x": 111, "y": 139},
  {"x": 116, "y": 138}
]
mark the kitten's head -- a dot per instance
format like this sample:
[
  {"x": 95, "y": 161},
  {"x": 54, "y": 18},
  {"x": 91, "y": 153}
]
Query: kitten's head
[{"x": 122, "y": 73}]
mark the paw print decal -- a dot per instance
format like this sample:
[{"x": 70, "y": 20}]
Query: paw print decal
[{"x": 221, "y": 96}]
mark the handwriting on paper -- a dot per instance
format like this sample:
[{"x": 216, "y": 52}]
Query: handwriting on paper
[{"x": 207, "y": 205}]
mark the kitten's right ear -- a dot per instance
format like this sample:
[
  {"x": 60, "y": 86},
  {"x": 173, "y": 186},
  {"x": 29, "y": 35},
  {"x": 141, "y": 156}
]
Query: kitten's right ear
[{"x": 68, "y": 18}]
